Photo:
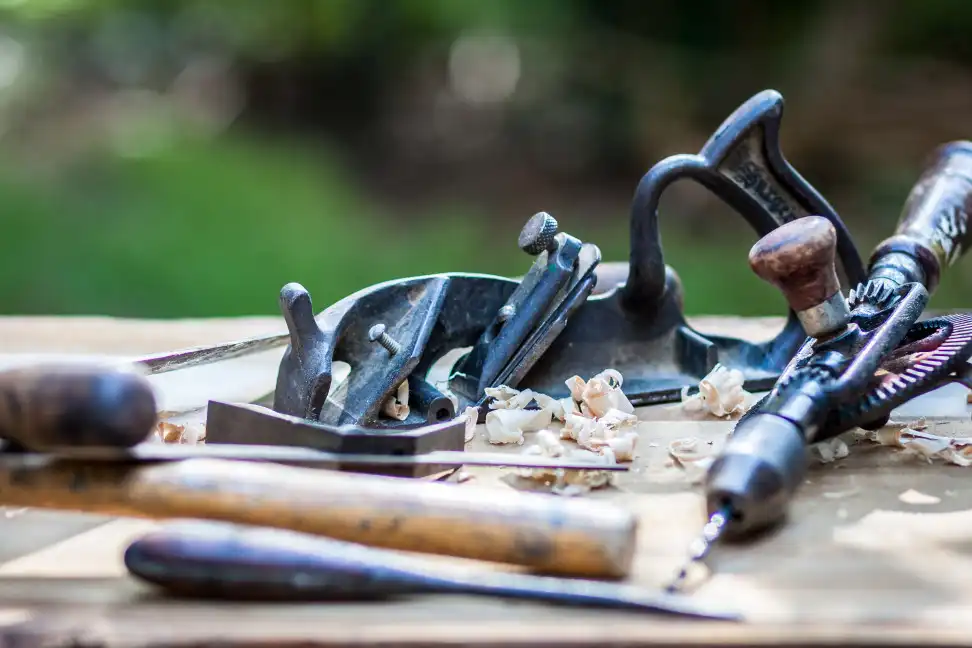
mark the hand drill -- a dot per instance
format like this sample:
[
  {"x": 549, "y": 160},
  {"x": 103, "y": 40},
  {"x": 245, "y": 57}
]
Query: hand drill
[{"x": 749, "y": 486}]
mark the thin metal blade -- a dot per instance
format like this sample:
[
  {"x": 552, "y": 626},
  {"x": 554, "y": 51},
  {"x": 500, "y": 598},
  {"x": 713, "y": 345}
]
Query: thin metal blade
[
  {"x": 292, "y": 455},
  {"x": 196, "y": 356}
]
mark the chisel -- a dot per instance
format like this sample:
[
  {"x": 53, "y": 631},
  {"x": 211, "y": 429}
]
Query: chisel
[{"x": 230, "y": 562}]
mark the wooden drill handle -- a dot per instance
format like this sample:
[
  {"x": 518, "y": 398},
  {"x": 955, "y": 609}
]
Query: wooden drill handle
[
  {"x": 934, "y": 224},
  {"x": 798, "y": 258},
  {"x": 548, "y": 534},
  {"x": 47, "y": 406}
]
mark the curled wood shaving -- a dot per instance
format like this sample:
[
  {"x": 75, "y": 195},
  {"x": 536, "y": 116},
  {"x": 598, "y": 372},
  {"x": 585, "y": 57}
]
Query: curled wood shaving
[
  {"x": 472, "y": 420},
  {"x": 508, "y": 425},
  {"x": 954, "y": 450},
  {"x": 602, "y": 393},
  {"x": 597, "y": 414},
  {"x": 720, "y": 394},
  {"x": 689, "y": 451},
  {"x": 396, "y": 406}
]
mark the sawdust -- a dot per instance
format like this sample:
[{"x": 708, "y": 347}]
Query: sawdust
[
  {"x": 720, "y": 394},
  {"x": 567, "y": 482}
]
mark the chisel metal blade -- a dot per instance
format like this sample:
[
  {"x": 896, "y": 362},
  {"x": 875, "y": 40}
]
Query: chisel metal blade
[{"x": 292, "y": 455}]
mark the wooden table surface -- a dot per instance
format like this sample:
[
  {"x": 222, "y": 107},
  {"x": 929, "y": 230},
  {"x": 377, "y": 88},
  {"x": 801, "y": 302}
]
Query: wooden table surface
[{"x": 855, "y": 565}]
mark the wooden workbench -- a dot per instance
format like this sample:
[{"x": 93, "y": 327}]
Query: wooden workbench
[{"x": 856, "y": 565}]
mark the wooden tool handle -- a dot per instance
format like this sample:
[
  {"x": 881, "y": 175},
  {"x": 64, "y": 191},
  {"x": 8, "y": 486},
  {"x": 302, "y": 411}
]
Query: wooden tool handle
[
  {"x": 934, "y": 224},
  {"x": 546, "y": 533},
  {"x": 43, "y": 407},
  {"x": 798, "y": 258}
]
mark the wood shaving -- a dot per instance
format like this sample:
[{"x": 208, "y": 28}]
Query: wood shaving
[
  {"x": 954, "y": 450},
  {"x": 914, "y": 497},
  {"x": 597, "y": 415},
  {"x": 830, "y": 450},
  {"x": 190, "y": 434},
  {"x": 602, "y": 393},
  {"x": 690, "y": 455},
  {"x": 687, "y": 450},
  {"x": 508, "y": 398},
  {"x": 396, "y": 406},
  {"x": 720, "y": 394},
  {"x": 508, "y": 425},
  {"x": 569, "y": 483},
  {"x": 472, "y": 420},
  {"x": 622, "y": 447}
]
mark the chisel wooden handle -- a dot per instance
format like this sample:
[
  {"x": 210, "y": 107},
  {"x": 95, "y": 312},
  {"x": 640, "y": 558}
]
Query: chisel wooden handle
[
  {"x": 47, "y": 406},
  {"x": 933, "y": 230},
  {"x": 546, "y": 533}
]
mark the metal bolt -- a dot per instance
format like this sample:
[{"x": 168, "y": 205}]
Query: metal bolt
[
  {"x": 377, "y": 334},
  {"x": 507, "y": 312}
]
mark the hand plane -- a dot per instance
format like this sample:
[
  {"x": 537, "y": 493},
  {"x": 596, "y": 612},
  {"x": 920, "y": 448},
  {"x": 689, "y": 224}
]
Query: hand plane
[
  {"x": 393, "y": 333},
  {"x": 636, "y": 325}
]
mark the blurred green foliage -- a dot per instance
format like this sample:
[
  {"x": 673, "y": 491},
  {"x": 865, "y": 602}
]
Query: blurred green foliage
[{"x": 215, "y": 225}]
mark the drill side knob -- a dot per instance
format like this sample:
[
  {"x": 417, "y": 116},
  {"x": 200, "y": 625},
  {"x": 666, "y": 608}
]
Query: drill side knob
[
  {"x": 799, "y": 259},
  {"x": 539, "y": 234}
]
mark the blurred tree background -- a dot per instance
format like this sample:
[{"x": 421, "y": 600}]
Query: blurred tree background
[{"x": 186, "y": 158}]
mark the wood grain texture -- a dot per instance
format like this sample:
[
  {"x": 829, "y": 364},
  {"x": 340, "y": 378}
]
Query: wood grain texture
[
  {"x": 550, "y": 535},
  {"x": 798, "y": 258}
]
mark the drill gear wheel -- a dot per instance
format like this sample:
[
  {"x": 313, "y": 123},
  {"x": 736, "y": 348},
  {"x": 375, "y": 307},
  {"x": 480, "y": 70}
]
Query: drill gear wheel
[
  {"x": 930, "y": 353},
  {"x": 877, "y": 294},
  {"x": 927, "y": 357}
]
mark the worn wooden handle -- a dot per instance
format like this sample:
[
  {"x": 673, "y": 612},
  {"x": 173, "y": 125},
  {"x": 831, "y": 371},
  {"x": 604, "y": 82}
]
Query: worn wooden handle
[
  {"x": 43, "y": 407},
  {"x": 798, "y": 258},
  {"x": 546, "y": 533},
  {"x": 934, "y": 223}
]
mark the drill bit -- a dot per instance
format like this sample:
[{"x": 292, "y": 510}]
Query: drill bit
[{"x": 700, "y": 547}]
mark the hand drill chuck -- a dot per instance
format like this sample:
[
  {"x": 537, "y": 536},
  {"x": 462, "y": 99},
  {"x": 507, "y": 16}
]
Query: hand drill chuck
[{"x": 759, "y": 470}]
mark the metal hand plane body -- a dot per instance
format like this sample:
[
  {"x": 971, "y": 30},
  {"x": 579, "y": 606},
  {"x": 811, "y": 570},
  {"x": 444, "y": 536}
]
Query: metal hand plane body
[
  {"x": 636, "y": 326},
  {"x": 397, "y": 331}
]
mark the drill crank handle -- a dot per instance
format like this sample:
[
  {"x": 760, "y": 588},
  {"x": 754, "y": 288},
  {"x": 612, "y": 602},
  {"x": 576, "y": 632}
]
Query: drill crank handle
[
  {"x": 933, "y": 230},
  {"x": 206, "y": 559}
]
